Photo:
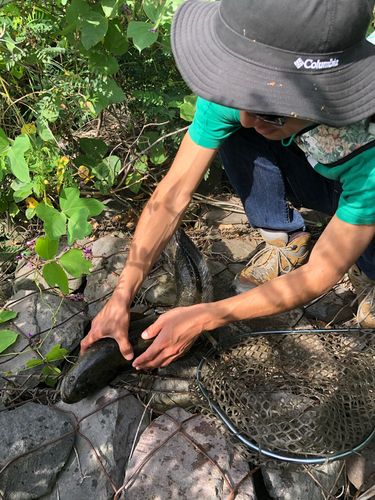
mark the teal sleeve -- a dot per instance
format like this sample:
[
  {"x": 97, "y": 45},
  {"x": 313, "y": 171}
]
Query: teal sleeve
[
  {"x": 357, "y": 200},
  {"x": 213, "y": 123}
]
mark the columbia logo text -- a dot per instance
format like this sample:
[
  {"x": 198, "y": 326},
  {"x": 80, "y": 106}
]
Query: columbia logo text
[{"x": 311, "y": 64}]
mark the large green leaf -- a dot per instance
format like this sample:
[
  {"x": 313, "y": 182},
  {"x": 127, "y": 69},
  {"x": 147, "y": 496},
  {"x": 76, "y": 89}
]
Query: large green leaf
[
  {"x": 76, "y": 9},
  {"x": 101, "y": 170},
  {"x": 22, "y": 192},
  {"x": 55, "y": 275},
  {"x": 71, "y": 202},
  {"x": 16, "y": 157},
  {"x": 187, "y": 110},
  {"x": 103, "y": 63},
  {"x": 43, "y": 131},
  {"x": 7, "y": 315},
  {"x": 94, "y": 29},
  {"x": 46, "y": 248},
  {"x": 74, "y": 263},
  {"x": 142, "y": 35},
  {"x": 115, "y": 41},
  {"x": 154, "y": 8},
  {"x": 57, "y": 352},
  {"x": 78, "y": 227},
  {"x": 54, "y": 221},
  {"x": 93, "y": 147},
  {"x": 112, "y": 8},
  {"x": 4, "y": 143},
  {"x": 7, "y": 338},
  {"x": 114, "y": 164}
]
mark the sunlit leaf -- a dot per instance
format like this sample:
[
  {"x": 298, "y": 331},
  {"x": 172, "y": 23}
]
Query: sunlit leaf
[
  {"x": 46, "y": 248},
  {"x": 7, "y": 315},
  {"x": 94, "y": 29},
  {"x": 16, "y": 157},
  {"x": 78, "y": 227},
  {"x": 55, "y": 275},
  {"x": 142, "y": 34},
  {"x": 74, "y": 263},
  {"x": 31, "y": 202},
  {"x": 7, "y": 338},
  {"x": 28, "y": 128}
]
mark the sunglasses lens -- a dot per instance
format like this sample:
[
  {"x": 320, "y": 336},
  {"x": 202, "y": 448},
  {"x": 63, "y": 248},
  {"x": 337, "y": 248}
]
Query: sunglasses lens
[{"x": 278, "y": 121}]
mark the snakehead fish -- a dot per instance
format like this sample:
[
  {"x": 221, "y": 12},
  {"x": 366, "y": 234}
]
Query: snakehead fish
[{"x": 103, "y": 361}]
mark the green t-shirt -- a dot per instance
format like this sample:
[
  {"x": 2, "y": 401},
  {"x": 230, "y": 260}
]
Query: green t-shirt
[{"x": 213, "y": 123}]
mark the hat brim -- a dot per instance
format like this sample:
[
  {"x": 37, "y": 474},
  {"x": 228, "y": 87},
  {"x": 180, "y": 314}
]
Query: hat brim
[{"x": 338, "y": 96}]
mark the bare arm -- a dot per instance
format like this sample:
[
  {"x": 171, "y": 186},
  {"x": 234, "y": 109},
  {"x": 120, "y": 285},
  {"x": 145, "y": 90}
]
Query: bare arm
[
  {"x": 159, "y": 220},
  {"x": 337, "y": 249}
]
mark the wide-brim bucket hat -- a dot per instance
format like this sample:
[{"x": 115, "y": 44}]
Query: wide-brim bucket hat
[{"x": 307, "y": 58}]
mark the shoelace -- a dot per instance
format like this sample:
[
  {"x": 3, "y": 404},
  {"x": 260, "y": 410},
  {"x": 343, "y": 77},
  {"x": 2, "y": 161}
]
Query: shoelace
[{"x": 275, "y": 252}]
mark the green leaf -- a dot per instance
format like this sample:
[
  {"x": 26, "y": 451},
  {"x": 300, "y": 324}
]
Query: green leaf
[
  {"x": 187, "y": 110},
  {"x": 56, "y": 353},
  {"x": 3, "y": 206},
  {"x": 30, "y": 212},
  {"x": 55, "y": 275},
  {"x": 110, "y": 93},
  {"x": 43, "y": 130},
  {"x": 115, "y": 41},
  {"x": 94, "y": 28},
  {"x": 154, "y": 9},
  {"x": 54, "y": 221},
  {"x": 133, "y": 178},
  {"x": 112, "y": 8},
  {"x": 13, "y": 209},
  {"x": 93, "y": 147},
  {"x": 51, "y": 382},
  {"x": 33, "y": 362},
  {"x": 86, "y": 161},
  {"x": 114, "y": 164},
  {"x": 15, "y": 154},
  {"x": 101, "y": 170},
  {"x": 76, "y": 9},
  {"x": 74, "y": 263},
  {"x": 141, "y": 165},
  {"x": 78, "y": 227},
  {"x": 7, "y": 338},
  {"x": 102, "y": 186},
  {"x": 70, "y": 202},
  {"x": 103, "y": 63},
  {"x": 46, "y": 248},
  {"x": 4, "y": 143},
  {"x": 7, "y": 315},
  {"x": 142, "y": 35},
  {"x": 23, "y": 192}
]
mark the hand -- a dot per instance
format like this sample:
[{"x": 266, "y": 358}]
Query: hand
[
  {"x": 112, "y": 321},
  {"x": 175, "y": 333}
]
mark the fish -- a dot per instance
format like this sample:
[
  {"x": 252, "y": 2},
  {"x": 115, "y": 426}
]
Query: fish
[{"x": 102, "y": 362}]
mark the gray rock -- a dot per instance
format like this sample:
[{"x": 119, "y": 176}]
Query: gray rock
[
  {"x": 108, "y": 261},
  {"x": 236, "y": 249},
  {"x": 287, "y": 484},
  {"x": 333, "y": 306},
  {"x": 216, "y": 267},
  {"x": 23, "y": 429},
  {"x": 35, "y": 316},
  {"x": 361, "y": 466},
  {"x": 111, "y": 428},
  {"x": 177, "y": 470}
]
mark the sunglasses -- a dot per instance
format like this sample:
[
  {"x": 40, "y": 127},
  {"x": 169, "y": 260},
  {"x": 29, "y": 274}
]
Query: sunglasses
[{"x": 278, "y": 121}]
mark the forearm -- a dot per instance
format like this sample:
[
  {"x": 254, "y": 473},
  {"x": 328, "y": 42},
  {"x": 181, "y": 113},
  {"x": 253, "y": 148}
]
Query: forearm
[{"x": 163, "y": 214}]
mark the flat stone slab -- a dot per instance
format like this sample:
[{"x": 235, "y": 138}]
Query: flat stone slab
[
  {"x": 165, "y": 465},
  {"x": 22, "y": 430}
]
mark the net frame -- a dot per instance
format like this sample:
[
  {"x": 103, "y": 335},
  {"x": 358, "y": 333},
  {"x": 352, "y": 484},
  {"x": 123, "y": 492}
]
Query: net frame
[{"x": 237, "y": 432}]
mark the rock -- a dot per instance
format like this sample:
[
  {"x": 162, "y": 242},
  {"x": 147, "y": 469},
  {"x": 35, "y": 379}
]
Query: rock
[
  {"x": 217, "y": 215},
  {"x": 111, "y": 428},
  {"x": 160, "y": 290},
  {"x": 35, "y": 316},
  {"x": 333, "y": 306},
  {"x": 361, "y": 466},
  {"x": 110, "y": 254},
  {"x": 236, "y": 249},
  {"x": 287, "y": 484},
  {"x": 177, "y": 470},
  {"x": 23, "y": 429}
]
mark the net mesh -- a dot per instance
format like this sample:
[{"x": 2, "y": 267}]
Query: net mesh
[{"x": 296, "y": 394}]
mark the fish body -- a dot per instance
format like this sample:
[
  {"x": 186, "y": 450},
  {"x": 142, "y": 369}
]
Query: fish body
[{"x": 103, "y": 361}]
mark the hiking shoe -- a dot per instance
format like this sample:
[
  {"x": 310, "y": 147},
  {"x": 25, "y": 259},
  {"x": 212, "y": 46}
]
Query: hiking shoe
[
  {"x": 365, "y": 289},
  {"x": 278, "y": 254}
]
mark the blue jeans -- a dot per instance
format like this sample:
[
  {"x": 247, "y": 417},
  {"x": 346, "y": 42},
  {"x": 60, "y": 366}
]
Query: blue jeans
[{"x": 265, "y": 174}]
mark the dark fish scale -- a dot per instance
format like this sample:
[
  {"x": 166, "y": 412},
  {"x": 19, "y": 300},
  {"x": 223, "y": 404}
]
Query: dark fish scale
[{"x": 103, "y": 361}]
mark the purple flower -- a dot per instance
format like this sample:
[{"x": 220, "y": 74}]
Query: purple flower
[
  {"x": 153, "y": 30},
  {"x": 81, "y": 183},
  {"x": 31, "y": 335},
  {"x": 126, "y": 9},
  {"x": 18, "y": 257},
  {"x": 103, "y": 254},
  {"x": 29, "y": 265}
]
